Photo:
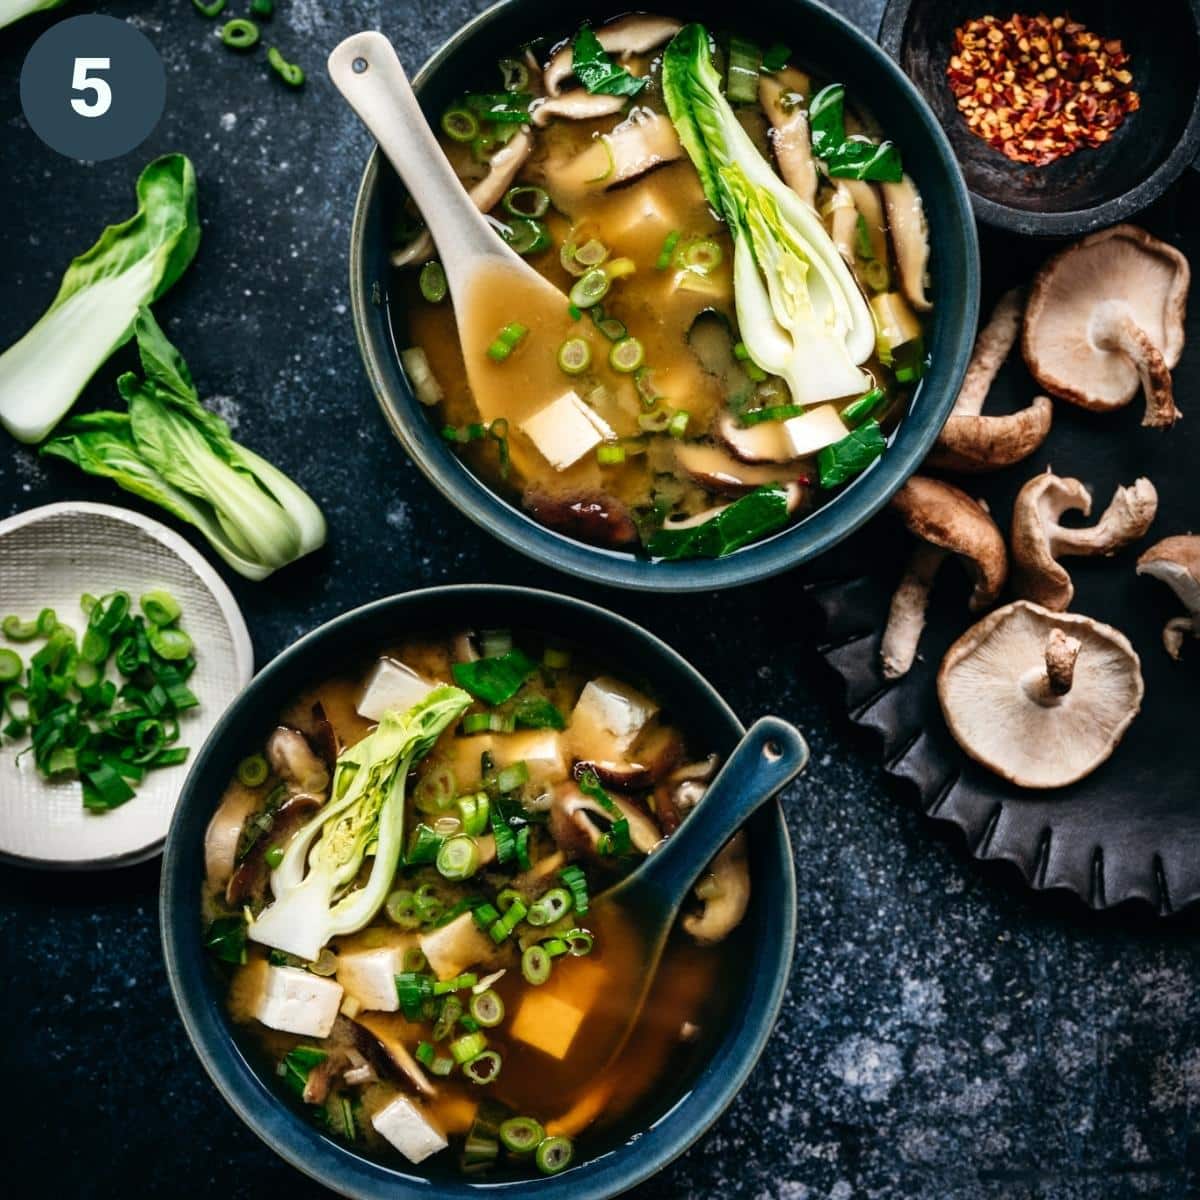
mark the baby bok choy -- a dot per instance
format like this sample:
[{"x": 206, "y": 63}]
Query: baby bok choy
[
  {"x": 800, "y": 313},
  {"x": 314, "y": 884},
  {"x": 98, "y": 300},
  {"x": 14, "y": 10},
  {"x": 168, "y": 448}
]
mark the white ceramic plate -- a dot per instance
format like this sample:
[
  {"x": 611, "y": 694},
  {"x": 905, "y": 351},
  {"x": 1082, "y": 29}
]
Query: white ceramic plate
[{"x": 50, "y": 557}]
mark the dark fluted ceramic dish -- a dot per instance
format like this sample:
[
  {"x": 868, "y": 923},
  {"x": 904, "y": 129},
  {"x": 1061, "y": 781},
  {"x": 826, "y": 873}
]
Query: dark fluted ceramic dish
[
  {"x": 821, "y": 39},
  {"x": 651, "y": 1135}
]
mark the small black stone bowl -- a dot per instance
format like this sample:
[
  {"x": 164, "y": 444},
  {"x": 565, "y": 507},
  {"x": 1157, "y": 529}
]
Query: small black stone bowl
[{"x": 1089, "y": 189}]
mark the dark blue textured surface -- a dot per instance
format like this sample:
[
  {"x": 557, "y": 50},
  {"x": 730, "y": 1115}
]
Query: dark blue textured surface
[{"x": 947, "y": 1035}]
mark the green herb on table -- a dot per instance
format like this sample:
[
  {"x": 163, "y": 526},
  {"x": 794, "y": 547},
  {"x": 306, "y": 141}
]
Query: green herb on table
[
  {"x": 85, "y": 723},
  {"x": 98, "y": 300},
  {"x": 595, "y": 69},
  {"x": 170, "y": 449}
]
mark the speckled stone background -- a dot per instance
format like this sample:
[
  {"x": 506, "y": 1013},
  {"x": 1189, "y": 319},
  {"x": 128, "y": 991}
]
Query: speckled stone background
[{"x": 948, "y": 1035}]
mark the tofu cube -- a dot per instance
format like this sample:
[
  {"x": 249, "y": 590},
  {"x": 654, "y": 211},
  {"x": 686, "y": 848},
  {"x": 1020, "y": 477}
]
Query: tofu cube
[
  {"x": 541, "y": 750},
  {"x": 456, "y": 947},
  {"x": 296, "y": 1001},
  {"x": 565, "y": 430},
  {"x": 814, "y": 430},
  {"x": 403, "y": 1124},
  {"x": 546, "y": 1023},
  {"x": 370, "y": 977},
  {"x": 608, "y": 718},
  {"x": 392, "y": 685}
]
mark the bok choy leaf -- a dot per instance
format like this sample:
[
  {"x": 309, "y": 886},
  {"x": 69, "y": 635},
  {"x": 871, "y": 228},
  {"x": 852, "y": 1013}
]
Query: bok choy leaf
[
  {"x": 13, "y": 10},
  {"x": 800, "y": 312},
  {"x": 169, "y": 449},
  {"x": 314, "y": 884},
  {"x": 132, "y": 264}
]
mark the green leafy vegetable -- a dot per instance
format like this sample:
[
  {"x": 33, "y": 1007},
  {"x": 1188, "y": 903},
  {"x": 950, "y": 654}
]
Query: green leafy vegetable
[
  {"x": 756, "y": 514},
  {"x": 538, "y": 713},
  {"x": 170, "y": 449},
  {"x": 616, "y": 841},
  {"x": 226, "y": 939},
  {"x": 775, "y": 57},
  {"x": 595, "y": 69},
  {"x": 799, "y": 308},
  {"x": 494, "y": 680},
  {"x": 298, "y": 1063},
  {"x": 13, "y": 10},
  {"x": 852, "y": 455},
  {"x": 848, "y": 157},
  {"x": 315, "y": 892},
  {"x": 857, "y": 411},
  {"x": 98, "y": 301}
]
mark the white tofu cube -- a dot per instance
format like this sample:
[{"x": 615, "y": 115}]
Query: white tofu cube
[
  {"x": 546, "y": 1023},
  {"x": 608, "y": 718},
  {"x": 814, "y": 430},
  {"x": 565, "y": 430},
  {"x": 403, "y": 1124},
  {"x": 392, "y": 685},
  {"x": 456, "y": 947},
  {"x": 296, "y": 1001},
  {"x": 370, "y": 977},
  {"x": 541, "y": 750}
]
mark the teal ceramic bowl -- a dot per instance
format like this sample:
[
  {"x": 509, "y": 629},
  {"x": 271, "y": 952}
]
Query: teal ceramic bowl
[
  {"x": 822, "y": 40},
  {"x": 660, "y": 1129}
]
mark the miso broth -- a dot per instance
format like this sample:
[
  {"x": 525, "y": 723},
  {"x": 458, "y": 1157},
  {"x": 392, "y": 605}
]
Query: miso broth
[
  {"x": 454, "y": 1021},
  {"x": 654, "y": 419}
]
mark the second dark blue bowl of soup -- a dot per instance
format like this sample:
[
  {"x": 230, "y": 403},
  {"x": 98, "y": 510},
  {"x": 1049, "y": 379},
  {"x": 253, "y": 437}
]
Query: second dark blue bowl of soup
[
  {"x": 703, "y": 1079},
  {"x": 832, "y": 49}
]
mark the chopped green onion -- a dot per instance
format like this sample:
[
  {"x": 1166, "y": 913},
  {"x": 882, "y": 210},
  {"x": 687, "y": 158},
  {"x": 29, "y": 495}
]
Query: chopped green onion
[
  {"x": 423, "y": 846},
  {"x": 47, "y": 621},
  {"x": 291, "y": 73},
  {"x": 460, "y": 125},
  {"x": 522, "y": 847},
  {"x": 436, "y": 789},
  {"x": 555, "y": 947},
  {"x": 590, "y": 289},
  {"x": 489, "y": 722},
  {"x": 668, "y": 250},
  {"x": 535, "y": 965},
  {"x": 612, "y": 328},
  {"x": 253, "y": 771},
  {"x": 554, "y": 1154},
  {"x": 441, "y": 1065},
  {"x": 401, "y": 909},
  {"x": 771, "y": 412},
  {"x": 473, "y": 812},
  {"x": 11, "y": 666},
  {"x": 505, "y": 898},
  {"x": 575, "y": 356},
  {"x": 551, "y": 907},
  {"x": 483, "y": 1068},
  {"x": 17, "y": 630},
  {"x": 486, "y": 915},
  {"x": 432, "y": 282},
  {"x": 412, "y": 990},
  {"x": 460, "y": 983},
  {"x": 467, "y": 1047},
  {"x": 677, "y": 425},
  {"x": 627, "y": 355},
  {"x": 458, "y": 857},
  {"x": 742, "y": 80},
  {"x": 160, "y": 607},
  {"x": 512, "y": 777},
  {"x": 274, "y": 856},
  {"x": 425, "y": 1054},
  {"x": 579, "y": 942},
  {"x": 875, "y": 274},
  {"x": 487, "y": 1008},
  {"x": 505, "y": 342},
  {"x": 171, "y": 643},
  {"x": 451, "y": 1011},
  {"x": 262, "y": 8},
  {"x": 209, "y": 10},
  {"x": 503, "y": 928},
  {"x": 527, "y": 201},
  {"x": 521, "y": 1135},
  {"x": 701, "y": 256},
  {"x": 527, "y": 235},
  {"x": 857, "y": 411},
  {"x": 592, "y": 253},
  {"x": 514, "y": 74},
  {"x": 576, "y": 883},
  {"x": 239, "y": 34},
  {"x": 573, "y": 312},
  {"x": 610, "y": 454}
]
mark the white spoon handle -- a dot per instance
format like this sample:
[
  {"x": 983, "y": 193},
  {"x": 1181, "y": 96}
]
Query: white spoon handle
[{"x": 365, "y": 69}]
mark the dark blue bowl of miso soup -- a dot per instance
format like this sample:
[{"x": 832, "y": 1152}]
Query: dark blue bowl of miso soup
[
  {"x": 669, "y": 458},
  {"x": 316, "y": 1095}
]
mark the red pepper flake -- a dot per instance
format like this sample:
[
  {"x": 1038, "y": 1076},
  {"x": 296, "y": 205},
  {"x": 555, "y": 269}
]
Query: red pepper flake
[{"x": 1038, "y": 88}]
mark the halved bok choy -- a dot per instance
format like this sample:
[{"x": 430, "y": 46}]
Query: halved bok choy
[
  {"x": 314, "y": 885},
  {"x": 98, "y": 300},
  {"x": 800, "y": 312},
  {"x": 14, "y": 10}
]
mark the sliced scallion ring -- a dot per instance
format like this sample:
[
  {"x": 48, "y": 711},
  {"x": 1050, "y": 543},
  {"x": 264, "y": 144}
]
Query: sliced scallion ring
[
  {"x": 460, "y": 124},
  {"x": 527, "y": 201},
  {"x": 483, "y": 1068},
  {"x": 590, "y": 289},
  {"x": 10, "y": 665},
  {"x": 290, "y": 73},
  {"x": 575, "y": 356},
  {"x": 701, "y": 256},
  {"x": 458, "y": 857},
  {"x": 526, "y": 235},
  {"x": 487, "y": 1008},
  {"x": 521, "y": 1135},
  {"x": 610, "y": 454},
  {"x": 253, "y": 771},
  {"x": 514, "y": 73},
  {"x": 592, "y": 253},
  {"x": 627, "y": 355},
  {"x": 433, "y": 282},
  {"x": 554, "y": 1154},
  {"x": 239, "y": 34},
  {"x": 535, "y": 965}
]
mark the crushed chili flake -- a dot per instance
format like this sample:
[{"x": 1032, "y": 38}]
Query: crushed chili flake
[{"x": 1038, "y": 88}]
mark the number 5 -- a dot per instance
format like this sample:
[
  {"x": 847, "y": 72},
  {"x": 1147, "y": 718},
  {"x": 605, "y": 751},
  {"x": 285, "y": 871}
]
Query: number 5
[{"x": 82, "y": 82}]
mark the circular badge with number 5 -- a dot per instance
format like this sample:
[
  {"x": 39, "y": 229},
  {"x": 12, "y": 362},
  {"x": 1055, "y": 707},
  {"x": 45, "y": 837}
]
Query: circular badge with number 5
[{"x": 93, "y": 87}]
